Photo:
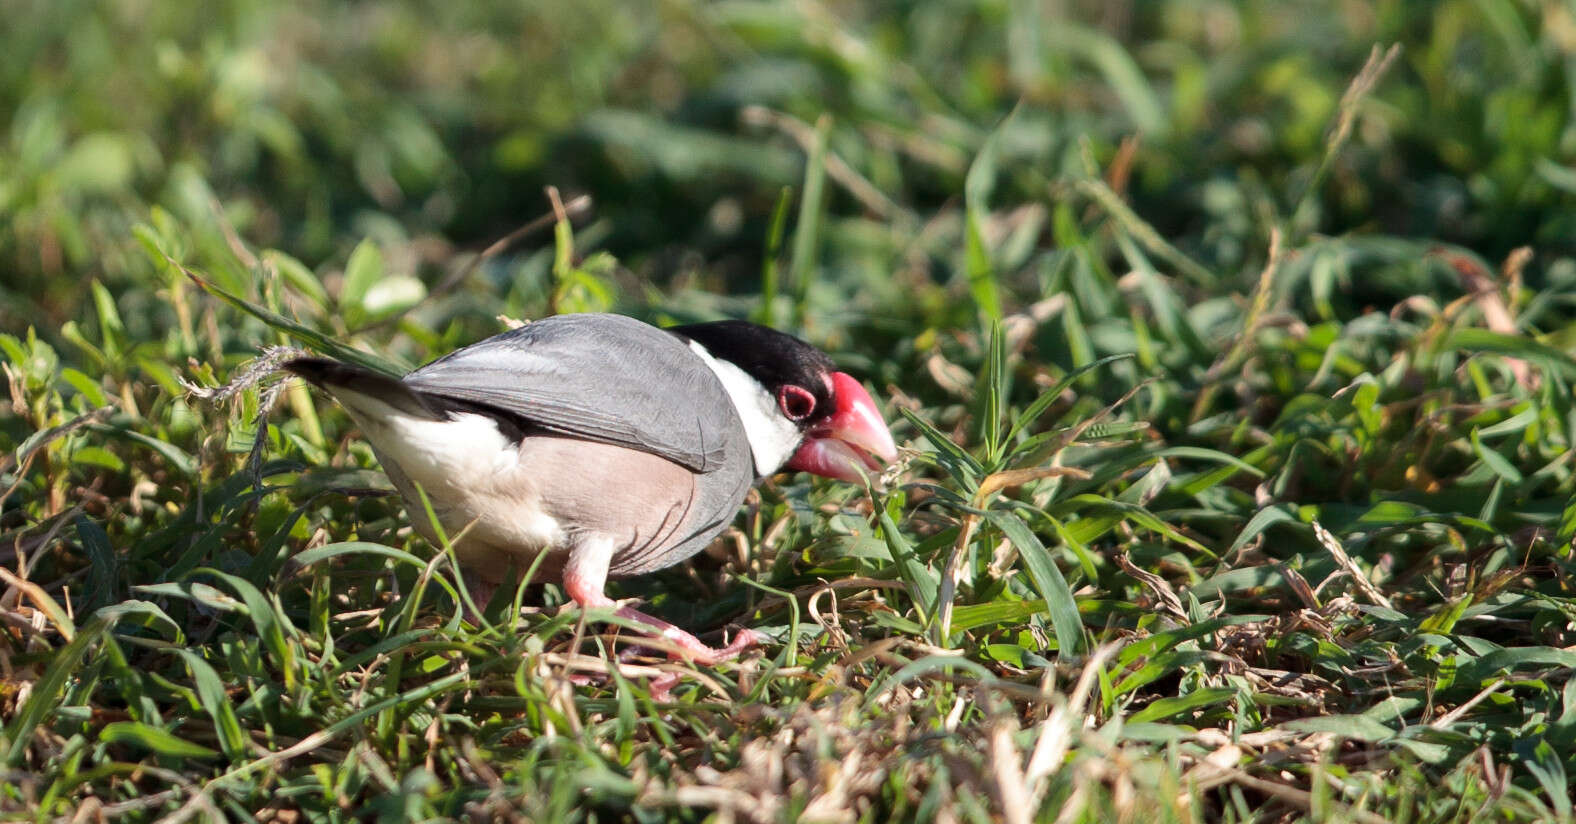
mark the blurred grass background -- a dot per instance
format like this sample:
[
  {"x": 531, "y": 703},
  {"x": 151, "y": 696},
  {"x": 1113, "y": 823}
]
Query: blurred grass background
[
  {"x": 433, "y": 129},
  {"x": 968, "y": 202}
]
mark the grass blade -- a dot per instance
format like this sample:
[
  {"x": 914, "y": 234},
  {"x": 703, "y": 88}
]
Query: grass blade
[
  {"x": 47, "y": 692},
  {"x": 211, "y": 693},
  {"x": 1047, "y": 579},
  {"x": 766, "y": 312},
  {"x": 807, "y": 234},
  {"x": 152, "y": 739},
  {"x": 921, "y": 581}
]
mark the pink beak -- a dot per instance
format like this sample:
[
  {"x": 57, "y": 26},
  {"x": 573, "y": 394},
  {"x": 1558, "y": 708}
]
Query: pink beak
[{"x": 849, "y": 444}]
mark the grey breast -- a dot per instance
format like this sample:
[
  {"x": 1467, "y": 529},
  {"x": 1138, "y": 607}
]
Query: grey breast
[{"x": 671, "y": 462}]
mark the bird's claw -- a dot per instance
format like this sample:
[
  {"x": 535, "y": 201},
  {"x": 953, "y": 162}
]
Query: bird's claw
[
  {"x": 686, "y": 647},
  {"x": 695, "y": 651}
]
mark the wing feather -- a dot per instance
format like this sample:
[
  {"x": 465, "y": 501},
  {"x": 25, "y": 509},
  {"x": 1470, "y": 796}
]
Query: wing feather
[{"x": 606, "y": 378}]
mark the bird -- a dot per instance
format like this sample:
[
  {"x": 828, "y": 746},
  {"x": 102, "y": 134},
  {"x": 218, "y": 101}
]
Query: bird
[{"x": 606, "y": 445}]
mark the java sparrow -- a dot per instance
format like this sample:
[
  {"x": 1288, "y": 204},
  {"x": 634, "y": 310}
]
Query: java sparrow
[{"x": 611, "y": 445}]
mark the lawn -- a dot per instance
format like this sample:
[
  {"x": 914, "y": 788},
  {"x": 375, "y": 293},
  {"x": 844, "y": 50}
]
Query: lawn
[{"x": 1228, "y": 344}]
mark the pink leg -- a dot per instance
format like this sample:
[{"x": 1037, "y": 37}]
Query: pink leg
[
  {"x": 481, "y": 593},
  {"x": 586, "y": 574}
]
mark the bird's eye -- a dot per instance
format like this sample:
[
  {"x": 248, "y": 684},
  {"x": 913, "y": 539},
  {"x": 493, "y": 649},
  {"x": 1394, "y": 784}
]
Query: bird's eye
[{"x": 796, "y": 402}]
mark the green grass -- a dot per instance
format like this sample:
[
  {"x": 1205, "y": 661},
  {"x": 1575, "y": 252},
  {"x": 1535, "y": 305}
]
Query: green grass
[{"x": 1238, "y": 424}]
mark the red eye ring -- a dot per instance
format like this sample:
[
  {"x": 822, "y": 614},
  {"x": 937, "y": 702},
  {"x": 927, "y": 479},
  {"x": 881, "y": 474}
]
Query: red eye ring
[{"x": 796, "y": 402}]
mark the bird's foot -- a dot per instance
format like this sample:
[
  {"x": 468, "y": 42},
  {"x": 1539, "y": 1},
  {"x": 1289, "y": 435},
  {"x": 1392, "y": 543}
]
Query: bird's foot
[
  {"x": 583, "y": 583},
  {"x": 680, "y": 645},
  {"x": 662, "y": 685},
  {"x": 678, "y": 649},
  {"x": 690, "y": 648},
  {"x": 481, "y": 593}
]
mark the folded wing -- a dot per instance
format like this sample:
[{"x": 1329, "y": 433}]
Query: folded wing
[{"x": 605, "y": 378}]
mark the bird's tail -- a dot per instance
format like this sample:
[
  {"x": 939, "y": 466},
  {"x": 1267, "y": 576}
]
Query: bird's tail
[{"x": 347, "y": 381}]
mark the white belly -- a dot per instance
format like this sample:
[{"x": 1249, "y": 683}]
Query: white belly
[{"x": 472, "y": 474}]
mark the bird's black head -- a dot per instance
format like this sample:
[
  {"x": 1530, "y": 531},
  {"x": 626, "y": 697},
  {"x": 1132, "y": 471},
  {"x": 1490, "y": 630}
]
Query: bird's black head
[{"x": 797, "y": 374}]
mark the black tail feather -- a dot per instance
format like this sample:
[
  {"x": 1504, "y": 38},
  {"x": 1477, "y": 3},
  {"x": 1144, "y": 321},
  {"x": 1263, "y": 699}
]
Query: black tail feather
[{"x": 334, "y": 376}]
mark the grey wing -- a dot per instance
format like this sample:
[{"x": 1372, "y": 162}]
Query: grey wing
[{"x": 606, "y": 378}]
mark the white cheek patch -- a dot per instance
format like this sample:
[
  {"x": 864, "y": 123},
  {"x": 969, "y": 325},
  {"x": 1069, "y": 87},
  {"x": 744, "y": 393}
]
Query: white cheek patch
[{"x": 773, "y": 438}]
